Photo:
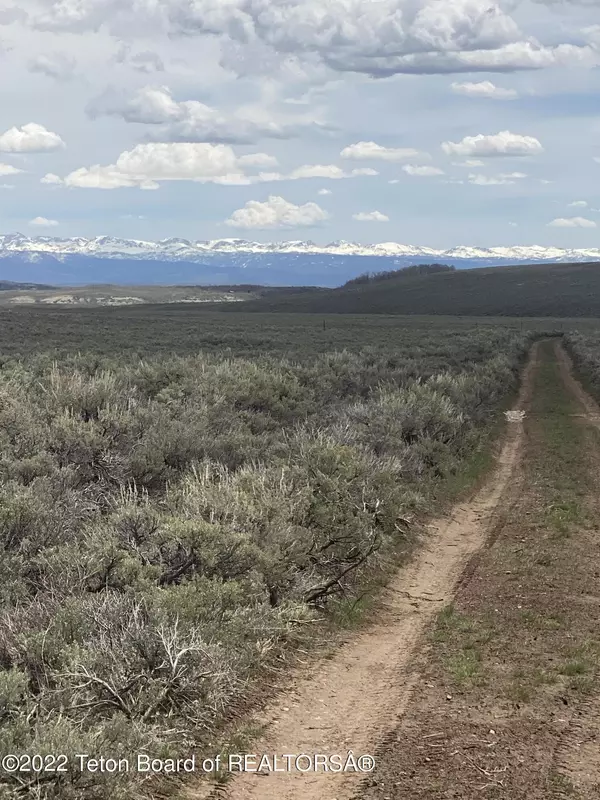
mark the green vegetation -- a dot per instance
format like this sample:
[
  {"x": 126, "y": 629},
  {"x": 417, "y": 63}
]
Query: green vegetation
[
  {"x": 519, "y": 631},
  {"x": 186, "y": 329},
  {"x": 584, "y": 348},
  {"x": 404, "y": 272},
  {"x": 541, "y": 290},
  {"x": 169, "y": 524}
]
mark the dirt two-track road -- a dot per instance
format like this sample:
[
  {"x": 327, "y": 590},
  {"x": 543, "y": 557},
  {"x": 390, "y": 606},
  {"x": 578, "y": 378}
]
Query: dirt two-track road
[{"x": 477, "y": 676}]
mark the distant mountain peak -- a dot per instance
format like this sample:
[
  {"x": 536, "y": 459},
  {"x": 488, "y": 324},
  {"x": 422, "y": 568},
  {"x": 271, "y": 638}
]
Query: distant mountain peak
[
  {"x": 178, "y": 249},
  {"x": 109, "y": 259}
]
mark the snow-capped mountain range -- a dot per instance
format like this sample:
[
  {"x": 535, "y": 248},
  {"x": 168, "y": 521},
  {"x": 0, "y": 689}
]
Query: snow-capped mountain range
[
  {"x": 80, "y": 260},
  {"x": 186, "y": 250}
]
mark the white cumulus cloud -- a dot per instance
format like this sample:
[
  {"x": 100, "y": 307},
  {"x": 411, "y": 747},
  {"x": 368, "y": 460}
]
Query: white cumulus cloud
[
  {"x": 370, "y": 216},
  {"x": 572, "y": 222},
  {"x": 193, "y": 121},
  {"x": 276, "y": 212},
  {"x": 31, "y": 138},
  {"x": 8, "y": 169},
  {"x": 331, "y": 171},
  {"x": 578, "y": 204},
  {"x": 109, "y": 177},
  {"x": 504, "y": 143},
  {"x": 324, "y": 192},
  {"x": 51, "y": 178},
  {"x": 371, "y": 151},
  {"x": 423, "y": 172},
  {"x": 43, "y": 222},
  {"x": 146, "y": 164},
  {"x": 257, "y": 160},
  {"x": 484, "y": 89}
]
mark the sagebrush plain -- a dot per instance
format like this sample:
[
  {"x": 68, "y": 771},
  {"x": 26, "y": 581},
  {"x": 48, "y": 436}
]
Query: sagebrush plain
[{"x": 185, "y": 497}]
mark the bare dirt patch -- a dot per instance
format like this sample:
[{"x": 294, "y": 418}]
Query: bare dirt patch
[{"x": 354, "y": 699}]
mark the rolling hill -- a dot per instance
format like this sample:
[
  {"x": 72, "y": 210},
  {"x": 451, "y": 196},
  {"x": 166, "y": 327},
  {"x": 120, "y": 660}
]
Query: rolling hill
[{"x": 554, "y": 290}]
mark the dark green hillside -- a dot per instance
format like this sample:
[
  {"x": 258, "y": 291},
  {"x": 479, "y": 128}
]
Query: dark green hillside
[
  {"x": 540, "y": 290},
  {"x": 7, "y": 286}
]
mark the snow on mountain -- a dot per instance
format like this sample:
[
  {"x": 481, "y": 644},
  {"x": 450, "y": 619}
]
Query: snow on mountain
[
  {"x": 176, "y": 249},
  {"x": 175, "y": 261}
]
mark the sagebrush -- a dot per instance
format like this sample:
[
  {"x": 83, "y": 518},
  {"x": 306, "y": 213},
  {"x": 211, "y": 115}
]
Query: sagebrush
[{"x": 169, "y": 524}]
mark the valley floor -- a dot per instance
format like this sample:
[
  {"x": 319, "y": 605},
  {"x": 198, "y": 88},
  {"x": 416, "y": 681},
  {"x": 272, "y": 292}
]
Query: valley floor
[{"x": 479, "y": 674}]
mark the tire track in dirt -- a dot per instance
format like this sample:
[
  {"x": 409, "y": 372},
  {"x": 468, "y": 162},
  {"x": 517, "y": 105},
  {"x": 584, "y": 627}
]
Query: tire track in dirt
[
  {"x": 353, "y": 700},
  {"x": 578, "y": 755}
]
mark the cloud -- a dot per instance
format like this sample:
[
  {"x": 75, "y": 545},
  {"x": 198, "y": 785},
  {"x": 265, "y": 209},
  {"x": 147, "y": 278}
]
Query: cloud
[
  {"x": 31, "y": 138},
  {"x": 110, "y": 177},
  {"x": 370, "y": 151},
  {"x": 578, "y": 204},
  {"x": 193, "y": 121},
  {"x": 509, "y": 58},
  {"x": 324, "y": 192},
  {"x": 8, "y": 169},
  {"x": 504, "y": 143},
  {"x": 423, "y": 172},
  {"x": 370, "y": 216},
  {"x": 146, "y": 61},
  {"x": 383, "y": 38},
  {"x": 356, "y": 173},
  {"x": 277, "y": 213},
  {"x": 486, "y": 180},
  {"x": 331, "y": 171},
  {"x": 572, "y": 222},
  {"x": 53, "y": 65},
  {"x": 257, "y": 160},
  {"x": 317, "y": 171},
  {"x": 149, "y": 106},
  {"x": 147, "y": 164},
  {"x": 12, "y": 14},
  {"x": 51, "y": 178},
  {"x": 483, "y": 89},
  {"x": 469, "y": 162},
  {"x": 43, "y": 222}
]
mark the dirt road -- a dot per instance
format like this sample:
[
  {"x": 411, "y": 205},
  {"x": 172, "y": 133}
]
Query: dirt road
[
  {"x": 356, "y": 697},
  {"x": 411, "y": 692}
]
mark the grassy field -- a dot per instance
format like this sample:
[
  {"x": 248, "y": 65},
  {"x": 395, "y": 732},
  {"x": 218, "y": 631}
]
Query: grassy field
[
  {"x": 185, "y": 329},
  {"x": 170, "y": 523}
]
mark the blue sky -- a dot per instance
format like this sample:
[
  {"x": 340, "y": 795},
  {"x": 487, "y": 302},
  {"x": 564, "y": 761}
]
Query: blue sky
[{"x": 429, "y": 122}]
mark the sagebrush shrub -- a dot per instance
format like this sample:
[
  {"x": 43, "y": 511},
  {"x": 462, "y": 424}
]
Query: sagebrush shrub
[{"x": 167, "y": 526}]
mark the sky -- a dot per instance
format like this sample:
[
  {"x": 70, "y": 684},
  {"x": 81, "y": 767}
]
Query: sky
[{"x": 425, "y": 122}]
